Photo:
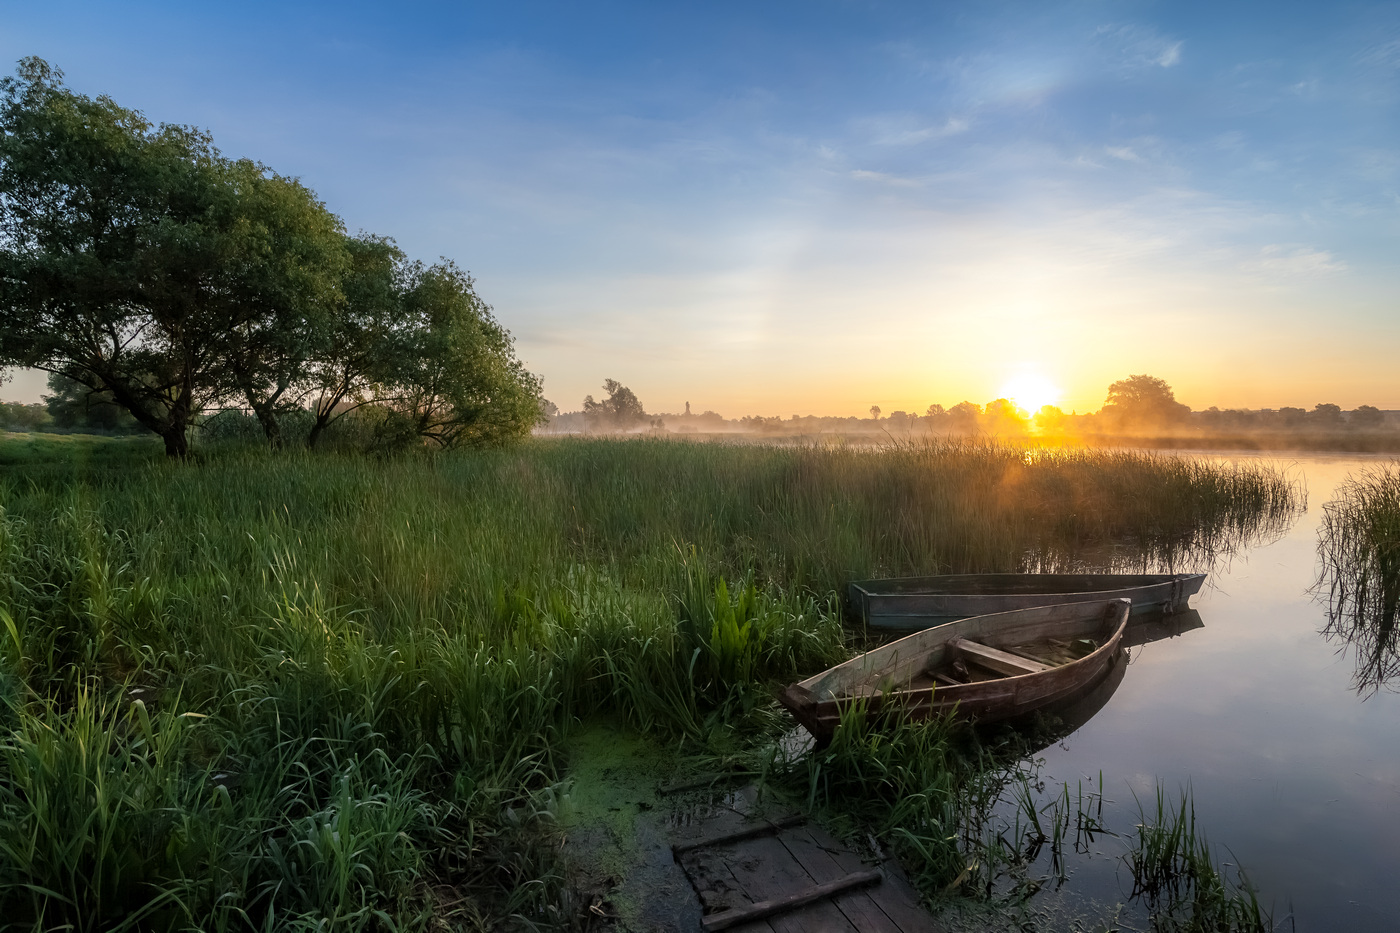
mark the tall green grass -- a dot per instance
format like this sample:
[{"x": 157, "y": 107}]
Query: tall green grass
[
  {"x": 1359, "y": 567},
  {"x": 329, "y": 691}
]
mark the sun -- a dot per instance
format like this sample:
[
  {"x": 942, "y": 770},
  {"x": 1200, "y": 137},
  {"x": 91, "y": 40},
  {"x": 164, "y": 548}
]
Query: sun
[{"x": 1030, "y": 392}]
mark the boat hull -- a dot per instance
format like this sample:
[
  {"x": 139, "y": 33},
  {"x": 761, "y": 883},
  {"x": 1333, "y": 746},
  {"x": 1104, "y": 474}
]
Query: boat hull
[
  {"x": 912, "y": 603},
  {"x": 818, "y": 702}
]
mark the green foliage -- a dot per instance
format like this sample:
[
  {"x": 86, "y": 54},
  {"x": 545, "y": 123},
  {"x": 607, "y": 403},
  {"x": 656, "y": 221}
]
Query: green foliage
[
  {"x": 908, "y": 781},
  {"x": 140, "y": 262},
  {"x": 17, "y": 416},
  {"x": 163, "y": 278},
  {"x": 1358, "y": 551},
  {"x": 74, "y": 406},
  {"x": 452, "y": 378},
  {"x": 620, "y": 410},
  {"x": 1175, "y": 872},
  {"x": 390, "y": 653},
  {"x": 105, "y": 821}
]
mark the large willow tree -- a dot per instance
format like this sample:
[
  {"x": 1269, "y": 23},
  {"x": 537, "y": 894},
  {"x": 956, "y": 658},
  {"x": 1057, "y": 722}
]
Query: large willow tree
[
  {"x": 141, "y": 264},
  {"x": 136, "y": 260}
]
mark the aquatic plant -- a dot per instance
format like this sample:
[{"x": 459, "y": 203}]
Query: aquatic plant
[
  {"x": 1358, "y": 550},
  {"x": 1175, "y": 871}
]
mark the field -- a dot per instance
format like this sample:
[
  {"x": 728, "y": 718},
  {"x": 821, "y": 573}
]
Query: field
[{"x": 336, "y": 692}]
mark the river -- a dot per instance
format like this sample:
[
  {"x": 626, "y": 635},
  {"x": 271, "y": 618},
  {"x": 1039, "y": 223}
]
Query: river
[{"x": 1294, "y": 773}]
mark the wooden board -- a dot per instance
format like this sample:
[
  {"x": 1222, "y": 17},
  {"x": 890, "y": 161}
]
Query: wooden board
[
  {"x": 791, "y": 862},
  {"x": 1003, "y": 662}
]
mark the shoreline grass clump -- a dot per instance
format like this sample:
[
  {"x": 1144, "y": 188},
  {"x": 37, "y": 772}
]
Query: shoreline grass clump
[
  {"x": 361, "y": 674},
  {"x": 1359, "y": 567},
  {"x": 1175, "y": 873}
]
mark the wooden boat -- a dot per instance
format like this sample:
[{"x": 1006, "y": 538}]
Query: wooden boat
[
  {"x": 986, "y": 668},
  {"x": 911, "y": 603}
]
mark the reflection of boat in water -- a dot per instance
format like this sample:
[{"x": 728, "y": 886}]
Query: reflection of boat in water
[
  {"x": 1054, "y": 723},
  {"x": 909, "y": 603},
  {"x": 986, "y": 668},
  {"x": 1157, "y": 626}
]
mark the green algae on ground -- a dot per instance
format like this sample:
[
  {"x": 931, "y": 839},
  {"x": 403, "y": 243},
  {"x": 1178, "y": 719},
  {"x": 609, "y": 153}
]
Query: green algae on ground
[
  {"x": 613, "y": 777},
  {"x": 619, "y": 858}
]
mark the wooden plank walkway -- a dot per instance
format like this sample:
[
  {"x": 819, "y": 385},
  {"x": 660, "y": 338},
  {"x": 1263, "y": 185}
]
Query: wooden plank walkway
[{"x": 780, "y": 857}]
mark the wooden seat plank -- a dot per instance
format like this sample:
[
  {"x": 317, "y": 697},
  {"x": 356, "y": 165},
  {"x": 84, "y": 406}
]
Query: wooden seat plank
[{"x": 1003, "y": 662}]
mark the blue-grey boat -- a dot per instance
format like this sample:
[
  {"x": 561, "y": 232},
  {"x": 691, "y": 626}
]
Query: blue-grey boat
[{"x": 911, "y": 603}]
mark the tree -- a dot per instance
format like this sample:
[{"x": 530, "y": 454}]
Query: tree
[
  {"x": 288, "y": 261},
  {"x": 1326, "y": 414},
  {"x": 620, "y": 410},
  {"x": 449, "y": 374},
  {"x": 352, "y": 359},
  {"x": 1366, "y": 416},
  {"x": 1143, "y": 400},
  {"x": 73, "y": 405},
  {"x": 1049, "y": 418},
  {"x": 137, "y": 261},
  {"x": 963, "y": 416},
  {"x": 1001, "y": 416},
  {"x": 875, "y": 412}
]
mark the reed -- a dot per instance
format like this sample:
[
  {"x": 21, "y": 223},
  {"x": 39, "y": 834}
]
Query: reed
[
  {"x": 358, "y": 674},
  {"x": 1359, "y": 569},
  {"x": 1174, "y": 870}
]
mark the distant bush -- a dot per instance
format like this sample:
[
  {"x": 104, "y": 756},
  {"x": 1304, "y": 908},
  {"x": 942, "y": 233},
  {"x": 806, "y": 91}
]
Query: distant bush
[{"x": 17, "y": 416}]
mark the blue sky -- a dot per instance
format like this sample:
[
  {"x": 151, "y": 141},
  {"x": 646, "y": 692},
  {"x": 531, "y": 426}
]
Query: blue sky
[{"x": 815, "y": 207}]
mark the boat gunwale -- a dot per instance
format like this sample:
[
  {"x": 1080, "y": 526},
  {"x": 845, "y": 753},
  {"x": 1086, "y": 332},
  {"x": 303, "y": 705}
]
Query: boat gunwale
[
  {"x": 913, "y": 609},
  {"x": 1147, "y": 579},
  {"x": 811, "y": 709}
]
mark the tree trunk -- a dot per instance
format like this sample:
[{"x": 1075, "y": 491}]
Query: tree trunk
[
  {"x": 270, "y": 425},
  {"x": 177, "y": 442}
]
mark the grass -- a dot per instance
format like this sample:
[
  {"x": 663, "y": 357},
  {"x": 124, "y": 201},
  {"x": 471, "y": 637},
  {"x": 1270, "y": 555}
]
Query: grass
[
  {"x": 335, "y": 692},
  {"x": 1176, "y": 873},
  {"x": 1359, "y": 568}
]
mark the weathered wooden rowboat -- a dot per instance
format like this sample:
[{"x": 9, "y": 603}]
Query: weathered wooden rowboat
[
  {"x": 986, "y": 668},
  {"x": 911, "y": 603}
]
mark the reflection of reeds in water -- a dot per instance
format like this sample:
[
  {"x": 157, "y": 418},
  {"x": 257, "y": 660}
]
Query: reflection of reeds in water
[
  {"x": 1137, "y": 511},
  {"x": 1359, "y": 568},
  {"x": 1176, "y": 875}
]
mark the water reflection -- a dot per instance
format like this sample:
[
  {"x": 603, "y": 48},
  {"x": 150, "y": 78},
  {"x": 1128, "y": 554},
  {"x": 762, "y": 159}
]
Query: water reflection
[
  {"x": 1050, "y": 728},
  {"x": 1358, "y": 550}
]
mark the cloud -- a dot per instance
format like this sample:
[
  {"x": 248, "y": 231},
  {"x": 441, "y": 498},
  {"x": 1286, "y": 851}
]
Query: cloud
[
  {"x": 895, "y": 180},
  {"x": 1123, "y": 152},
  {"x": 905, "y": 130},
  {"x": 1139, "y": 47},
  {"x": 1280, "y": 260},
  {"x": 1384, "y": 54}
]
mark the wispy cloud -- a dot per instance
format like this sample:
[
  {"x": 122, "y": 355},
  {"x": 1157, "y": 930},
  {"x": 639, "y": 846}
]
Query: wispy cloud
[
  {"x": 1281, "y": 260},
  {"x": 884, "y": 178},
  {"x": 1140, "y": 46},
  {"x": 907, "y": 129}
]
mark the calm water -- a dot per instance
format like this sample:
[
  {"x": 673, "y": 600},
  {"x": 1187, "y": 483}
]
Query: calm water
[{"x": 1291, "y": 770}]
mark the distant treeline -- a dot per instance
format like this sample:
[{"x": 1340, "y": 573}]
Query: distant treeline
[{"x": 1139, "y": 406}]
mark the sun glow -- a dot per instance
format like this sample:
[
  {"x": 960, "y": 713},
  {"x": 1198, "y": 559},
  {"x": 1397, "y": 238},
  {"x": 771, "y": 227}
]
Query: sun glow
[{"x": 1030, "y": 392}]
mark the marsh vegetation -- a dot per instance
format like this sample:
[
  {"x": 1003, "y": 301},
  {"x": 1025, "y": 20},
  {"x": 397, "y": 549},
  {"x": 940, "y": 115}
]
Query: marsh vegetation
[
  {"x": 290, "y": 691},
  {"x": 1359, "y": 571}
]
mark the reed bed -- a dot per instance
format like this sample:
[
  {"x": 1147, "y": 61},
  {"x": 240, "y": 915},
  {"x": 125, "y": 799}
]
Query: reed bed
[
  {"x": 1359, "y": 569},
  {"x": 330, "y": 692}
]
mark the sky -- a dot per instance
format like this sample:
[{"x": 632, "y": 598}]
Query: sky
[{"x": 815, "y": 207}]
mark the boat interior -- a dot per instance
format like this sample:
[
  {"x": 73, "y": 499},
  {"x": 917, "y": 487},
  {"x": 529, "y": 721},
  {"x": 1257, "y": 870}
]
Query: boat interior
[{"x": 964, "y": 661}]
